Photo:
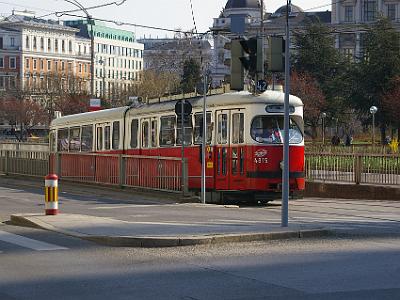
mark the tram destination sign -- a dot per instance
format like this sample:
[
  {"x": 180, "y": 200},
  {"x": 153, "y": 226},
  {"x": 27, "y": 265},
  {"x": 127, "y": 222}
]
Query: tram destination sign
[{"x": 187, "y": 108}]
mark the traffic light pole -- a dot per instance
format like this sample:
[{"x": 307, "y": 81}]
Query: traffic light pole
[
  {"x": 285, "y": 175},
  {"x": 204, "y": 142}
]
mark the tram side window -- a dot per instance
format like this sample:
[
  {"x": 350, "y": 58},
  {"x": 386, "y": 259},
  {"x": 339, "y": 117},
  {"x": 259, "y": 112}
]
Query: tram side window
[
  {"x": 145, "y": 134},
  {"x": 167, "y": 132},
  {"x": 115, "y": 136},
  {"x": 222, "y": 137},
  {"x": 107, "y": 133},
  {"x": 237, "y": 128},
  {"x": 99, "y": 138},
  {"x": 62, "y": 140},
  {"x": 75, "y": 139},
  {"x": 87, "y": 138},
  {"x": 188, "y": 131},
  {"x": 134, "y": 133},
  {"x": 154, "y": 133},
  {"x": 198, "y": 128}
]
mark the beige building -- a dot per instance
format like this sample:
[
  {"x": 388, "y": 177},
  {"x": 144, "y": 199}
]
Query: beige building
[{"x": 46, "y": 51}]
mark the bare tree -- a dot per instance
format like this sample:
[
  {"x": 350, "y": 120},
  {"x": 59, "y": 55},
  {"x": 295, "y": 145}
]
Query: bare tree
[{"x": 306, "y": 88}]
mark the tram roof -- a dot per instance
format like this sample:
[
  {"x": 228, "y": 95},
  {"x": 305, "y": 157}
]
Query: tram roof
[{"x": 227, "y": 99}]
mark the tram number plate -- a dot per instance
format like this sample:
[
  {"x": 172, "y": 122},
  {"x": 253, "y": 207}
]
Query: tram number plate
[
  {"x": 210, "y": 165},
  {"x": 261, "y": 160}
]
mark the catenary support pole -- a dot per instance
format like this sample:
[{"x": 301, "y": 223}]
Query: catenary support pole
[{"x": 285, "y": 175}]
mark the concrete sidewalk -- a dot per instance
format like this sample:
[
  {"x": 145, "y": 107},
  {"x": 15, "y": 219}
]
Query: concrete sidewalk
[{"x": 172, "y": 233}]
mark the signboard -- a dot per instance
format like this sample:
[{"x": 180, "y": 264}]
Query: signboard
[
  {"x": 187, "y": 108},
  {"x": 262, "y": 86},
  {"x": 94, "y": 104}
]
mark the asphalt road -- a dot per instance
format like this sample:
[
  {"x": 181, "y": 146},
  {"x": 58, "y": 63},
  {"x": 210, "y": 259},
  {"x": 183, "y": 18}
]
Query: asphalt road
[{"x": 362, "y": 261}]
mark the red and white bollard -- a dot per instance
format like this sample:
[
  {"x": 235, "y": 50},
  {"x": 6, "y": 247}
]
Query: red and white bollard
[{"x": 51, "y": 194}]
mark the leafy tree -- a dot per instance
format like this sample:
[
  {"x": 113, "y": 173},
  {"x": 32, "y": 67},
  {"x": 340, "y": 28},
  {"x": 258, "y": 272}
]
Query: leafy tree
[
  {"x": 305, "y": 87},
  {"x": 372, "y": 76},
  {"x": 191, "y": 75},
  {"x": 317, "y": 57}
]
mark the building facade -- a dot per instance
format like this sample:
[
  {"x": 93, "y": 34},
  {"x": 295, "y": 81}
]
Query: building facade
[
  {"x": 118, "y": 57},
  {"x": 350, "y": 17},
  {"x": 38, "y": 54}
]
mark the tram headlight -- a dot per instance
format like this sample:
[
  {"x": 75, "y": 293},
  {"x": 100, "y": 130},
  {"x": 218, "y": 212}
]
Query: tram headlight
[{"x": 281, "y": 165}]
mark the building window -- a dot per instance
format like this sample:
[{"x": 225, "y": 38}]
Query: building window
[
  {"x": 42, "y": 64},
  {"x": 348, "y": 53},
  {"x": 70, "y": 46},
  {"x": 49, "y": 65},
  {"x": 13, "y": 63},
  {"x": 348, "y": 13},
  {"x": 62, "y": 66},
  {"x": 63, "y": 46},
  {"x": 34, "y": 43},
  {"x": 42, "y": 43},
  {"x": 56, "y": 45},
  {"x": 34, "y": 64},
  {"x": 27, "y": 42},
  {"x": 370, "y": 8},
  {"x": 391, "y": 11},
  {"x": 1, "y": 62},
  {"x": 27, "y": 63},
  {"x": 49, "y": 45},
  {"x": 12, "y": 42},
  {"x": 2, "y": 82}
]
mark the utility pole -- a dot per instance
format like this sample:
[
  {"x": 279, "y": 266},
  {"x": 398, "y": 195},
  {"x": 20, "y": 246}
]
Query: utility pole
[
  {"x": 262, "y": 39},
  {"x": 285, "y": 175}
]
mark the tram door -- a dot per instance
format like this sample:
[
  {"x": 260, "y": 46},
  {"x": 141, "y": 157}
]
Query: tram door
[{"x": 230, "y": 151}]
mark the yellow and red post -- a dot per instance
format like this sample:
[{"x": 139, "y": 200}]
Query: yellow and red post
[{"x": 51, "y": 194}]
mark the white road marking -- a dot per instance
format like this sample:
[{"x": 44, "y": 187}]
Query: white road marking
[{"x": 27, "y": 242}]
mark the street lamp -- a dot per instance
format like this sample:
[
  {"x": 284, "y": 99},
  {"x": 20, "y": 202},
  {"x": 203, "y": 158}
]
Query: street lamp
[
  {"x": 323, "y": 116},
  {"x": 373, "y": 109}
]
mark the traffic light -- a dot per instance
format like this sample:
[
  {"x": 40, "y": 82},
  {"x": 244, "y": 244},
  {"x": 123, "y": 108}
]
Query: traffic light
[
  {"x": 245, "y": 54},
  {"x": 237, "y": 76},
  {"x": 253, "y": 58},
  {"x": 276, "y": 54}
]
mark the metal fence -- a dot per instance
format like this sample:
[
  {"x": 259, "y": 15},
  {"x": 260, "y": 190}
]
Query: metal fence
[
  {"x": 32, "y": 163},
  {"x": 353, "y": 168},
  {"x": 147, "y": 172}
]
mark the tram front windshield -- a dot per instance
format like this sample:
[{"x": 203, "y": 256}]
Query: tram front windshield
[{"x": 269, "y": 130}]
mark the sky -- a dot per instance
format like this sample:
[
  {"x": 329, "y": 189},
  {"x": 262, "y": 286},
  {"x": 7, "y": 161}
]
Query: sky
[{"x": 170, "y": 14}]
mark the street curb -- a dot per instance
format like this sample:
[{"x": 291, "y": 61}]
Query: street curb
[{"x": 172, "y": 241}]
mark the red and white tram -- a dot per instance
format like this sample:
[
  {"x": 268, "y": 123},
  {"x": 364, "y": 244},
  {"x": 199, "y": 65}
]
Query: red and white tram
[{"x": 244, "y": 137}]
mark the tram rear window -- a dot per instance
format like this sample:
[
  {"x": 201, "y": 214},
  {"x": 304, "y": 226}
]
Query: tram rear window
[{"x": 269, "y": 130}]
